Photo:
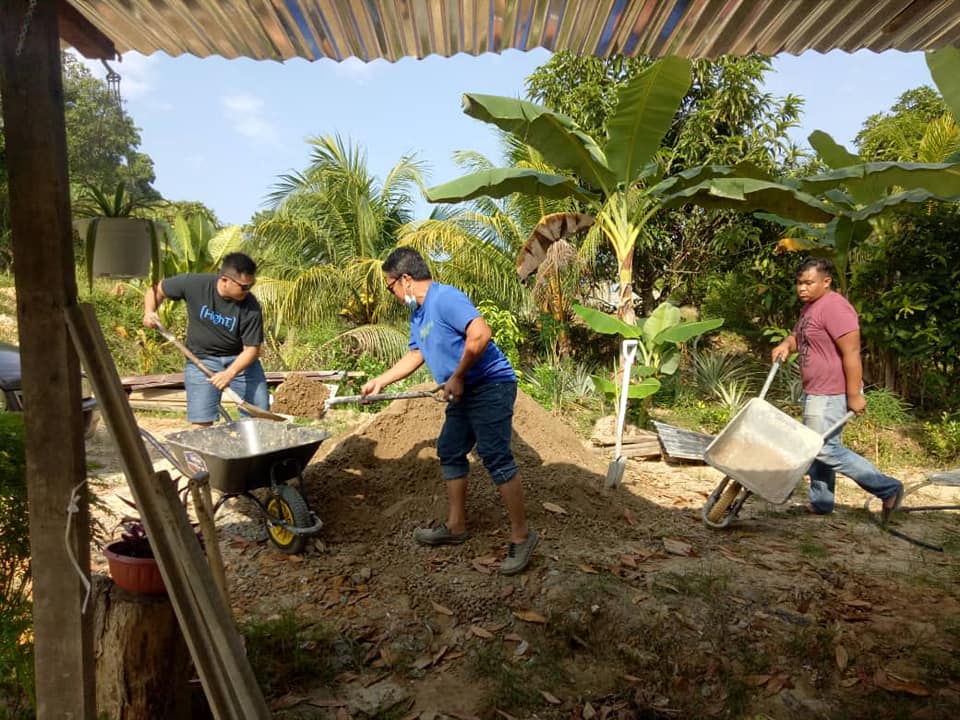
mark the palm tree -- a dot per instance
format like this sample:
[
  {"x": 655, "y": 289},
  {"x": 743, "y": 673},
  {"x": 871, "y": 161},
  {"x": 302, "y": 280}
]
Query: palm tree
[{"x": 327, "y": 233}]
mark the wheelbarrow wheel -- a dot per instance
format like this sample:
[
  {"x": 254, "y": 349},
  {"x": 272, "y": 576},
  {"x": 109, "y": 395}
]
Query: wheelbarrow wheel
[
  {"x": 724, "y": 502},
  {"x": 289, "y": 506}
]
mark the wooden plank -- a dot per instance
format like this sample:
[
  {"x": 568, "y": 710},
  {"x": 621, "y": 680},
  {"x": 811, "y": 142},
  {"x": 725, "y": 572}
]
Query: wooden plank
[
  {"x": 641, "y": 436},
  {"x": 175, "y": 380},
  {"x": 36, "y": 159},
  {"x": 214, "y": 642}
]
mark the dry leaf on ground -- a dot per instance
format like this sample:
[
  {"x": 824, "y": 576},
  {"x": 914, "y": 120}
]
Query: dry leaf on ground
[
  {"x": 554, "y": 508},
  {"x": 550, "y": 697},
  {"x": 893, "y": 683},
  {"x": 530, "y": 616},
  {"x": 441, "y": 609},
  {"x": 840, "y": 652},
  {"x": 481, "y": 632},
  {"x": 677, "y": 547}
]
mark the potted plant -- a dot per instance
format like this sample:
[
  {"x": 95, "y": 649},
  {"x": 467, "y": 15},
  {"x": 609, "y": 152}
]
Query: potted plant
[
  {"x": 116, "y": 243},
  {"x": 131, "y": 562}
]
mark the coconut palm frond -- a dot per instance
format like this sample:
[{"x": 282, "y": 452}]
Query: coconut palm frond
[
  {"x": 472, "y": 161},
  {"x": 384, "y": 342},
  {"x": 941, "y": 139}
]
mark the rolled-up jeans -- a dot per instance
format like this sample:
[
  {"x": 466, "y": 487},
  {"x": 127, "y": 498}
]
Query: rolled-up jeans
[{"x": 820, "y": 412}]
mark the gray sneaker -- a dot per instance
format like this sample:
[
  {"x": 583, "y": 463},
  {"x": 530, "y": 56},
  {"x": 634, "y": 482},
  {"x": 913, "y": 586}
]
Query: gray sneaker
[
  {"x": 518, "y": 557},
  {"x": 439, "y": 536}
]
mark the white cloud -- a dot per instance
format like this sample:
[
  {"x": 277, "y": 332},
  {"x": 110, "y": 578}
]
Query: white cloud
[
  {"x": 246, "y": 113},
  {"x": 356, "y": 70}
]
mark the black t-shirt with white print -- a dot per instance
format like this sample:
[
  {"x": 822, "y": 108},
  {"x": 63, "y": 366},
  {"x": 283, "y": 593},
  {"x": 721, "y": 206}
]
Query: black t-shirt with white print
[{"x": 217, "y": 326}]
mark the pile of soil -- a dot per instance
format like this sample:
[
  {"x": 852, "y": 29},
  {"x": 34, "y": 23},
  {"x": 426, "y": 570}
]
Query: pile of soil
[{"x": 301, "y": 397}]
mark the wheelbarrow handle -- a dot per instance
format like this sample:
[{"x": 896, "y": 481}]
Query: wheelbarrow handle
[
  {"x": 838, "y": 424},
  {"x": 769, "y": 381}
]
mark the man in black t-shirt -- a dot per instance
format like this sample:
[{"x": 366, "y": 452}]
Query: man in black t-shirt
[{"x": 224, "y": 330}]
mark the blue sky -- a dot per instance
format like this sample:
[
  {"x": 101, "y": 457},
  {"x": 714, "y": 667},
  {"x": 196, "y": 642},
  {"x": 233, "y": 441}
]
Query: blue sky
[{"x": 222, "y": 131}]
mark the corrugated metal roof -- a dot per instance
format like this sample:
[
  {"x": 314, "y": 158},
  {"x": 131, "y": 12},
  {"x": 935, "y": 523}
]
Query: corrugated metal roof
[{"x": 392, "y": 29}]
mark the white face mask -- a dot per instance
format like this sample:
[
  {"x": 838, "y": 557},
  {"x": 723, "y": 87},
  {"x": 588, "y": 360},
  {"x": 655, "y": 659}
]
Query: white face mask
[{"x": 410, "y": 301}]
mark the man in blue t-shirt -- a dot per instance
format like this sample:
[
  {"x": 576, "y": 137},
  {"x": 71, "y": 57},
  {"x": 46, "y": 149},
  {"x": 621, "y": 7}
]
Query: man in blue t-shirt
[
  {"x": 224, "y": 330},
  {"x": 449, "y": 335}
]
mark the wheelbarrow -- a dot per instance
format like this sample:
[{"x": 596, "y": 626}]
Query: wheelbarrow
[
  {"x": 762, "y": 451},
  {"x": 245, "y": 455}
]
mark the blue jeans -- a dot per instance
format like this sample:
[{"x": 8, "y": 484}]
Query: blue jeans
[
  {"x": 203, "y": 398},
  {"x": 483, "y": 417},
  {"x": 819, "y": 413}
]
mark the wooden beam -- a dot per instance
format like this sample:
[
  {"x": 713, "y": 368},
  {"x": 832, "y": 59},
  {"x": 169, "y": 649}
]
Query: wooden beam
[
  {"x": 205, "y": 620},
  {"x": 82, "y": 35},
  {"x": 44, "y": 267}
]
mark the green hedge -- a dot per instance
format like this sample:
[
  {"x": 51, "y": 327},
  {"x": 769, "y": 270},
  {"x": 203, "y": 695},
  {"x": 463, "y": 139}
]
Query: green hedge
[{"x": 16, "y": 647}]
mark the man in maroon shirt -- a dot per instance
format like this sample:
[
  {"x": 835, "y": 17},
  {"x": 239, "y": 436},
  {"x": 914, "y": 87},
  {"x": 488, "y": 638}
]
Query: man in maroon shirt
[{"x": 827, "y": 340}]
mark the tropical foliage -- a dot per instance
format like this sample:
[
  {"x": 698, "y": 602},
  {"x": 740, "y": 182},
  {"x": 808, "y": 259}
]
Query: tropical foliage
[{"x": 328, "y": 232}]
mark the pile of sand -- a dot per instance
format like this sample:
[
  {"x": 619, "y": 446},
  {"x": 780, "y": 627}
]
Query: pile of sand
[
  {"x": 385, "y": 477},
  {"x": 301, "y": 396}
]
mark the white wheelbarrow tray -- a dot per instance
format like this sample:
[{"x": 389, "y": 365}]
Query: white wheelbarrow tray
[{"x": 765, "y": 450}]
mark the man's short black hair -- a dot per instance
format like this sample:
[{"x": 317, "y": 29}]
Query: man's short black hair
[
  {"x": 239, "y": 263},
  {"x": 824, "y": 266},
  {"x": 406, "y": 261}
]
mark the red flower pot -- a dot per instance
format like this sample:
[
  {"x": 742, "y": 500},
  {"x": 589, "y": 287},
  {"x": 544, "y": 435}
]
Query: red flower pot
[{"x": 133, "y": 568}]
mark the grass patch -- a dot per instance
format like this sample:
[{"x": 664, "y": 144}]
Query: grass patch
[{"x": 287, "y": 656}]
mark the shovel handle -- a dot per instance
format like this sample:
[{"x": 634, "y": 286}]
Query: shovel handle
[
  {"x": 187, "y": 352},
  {"x": 228, "y": 392},
  {"x": 409, "y": 395}
]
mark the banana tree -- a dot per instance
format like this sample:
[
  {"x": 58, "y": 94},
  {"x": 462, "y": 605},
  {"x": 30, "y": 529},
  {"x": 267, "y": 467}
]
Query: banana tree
[
  {"x": 856, "y": 196},
  {"x": 659, "y": 337},
  {"x": 606, "y": 178}
]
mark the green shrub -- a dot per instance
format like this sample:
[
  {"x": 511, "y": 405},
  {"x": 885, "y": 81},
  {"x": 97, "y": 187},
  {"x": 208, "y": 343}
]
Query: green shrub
[
  {"x": 942, "y": 439},
  {"x": 16, "y": 647},
  {"x": 886, "y": 409}
]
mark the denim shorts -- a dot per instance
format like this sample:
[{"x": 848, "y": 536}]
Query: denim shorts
[
  {"x": 483, "y": 417},
  {"x": 203, "y": 398}
]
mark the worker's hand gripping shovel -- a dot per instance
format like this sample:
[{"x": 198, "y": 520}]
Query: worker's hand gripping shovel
[
  {"x": 616, "y": 467},
  {"x": 228, "y": 392}
]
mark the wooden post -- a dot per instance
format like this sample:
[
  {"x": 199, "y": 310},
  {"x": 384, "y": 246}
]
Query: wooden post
[
  {"x": 143, "y": 665},
  {"x": 36, "y": 150}
]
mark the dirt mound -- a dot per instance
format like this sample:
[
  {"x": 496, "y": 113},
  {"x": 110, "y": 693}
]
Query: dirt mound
[
  {"x": 300, "y": 396},
  {"x": 384, "y": 478}
]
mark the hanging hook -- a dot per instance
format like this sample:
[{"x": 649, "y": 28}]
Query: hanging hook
[{"x": 113, "y": 81}]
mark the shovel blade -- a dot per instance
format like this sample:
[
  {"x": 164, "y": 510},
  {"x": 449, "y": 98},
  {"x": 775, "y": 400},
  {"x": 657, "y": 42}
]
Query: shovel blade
[{"x": 615, "y": 472}]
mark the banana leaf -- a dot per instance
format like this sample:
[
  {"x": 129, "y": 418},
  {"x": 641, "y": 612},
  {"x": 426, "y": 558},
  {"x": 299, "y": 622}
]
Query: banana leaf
[
  {"x": 555, "y": 136},
  {"x": 747, "y": 194},
  {"x": 944, "y": 66},
  {"x": 501, "y": 182},
  {"x": 941, "y": 179},
  {"x": 645, "y": 109}
]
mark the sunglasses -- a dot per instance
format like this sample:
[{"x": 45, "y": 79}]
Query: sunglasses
[{"x": 243, "y": 286}]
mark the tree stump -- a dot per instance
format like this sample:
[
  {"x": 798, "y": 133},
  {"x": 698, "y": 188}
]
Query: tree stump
[{"x": 143, "y": 663}]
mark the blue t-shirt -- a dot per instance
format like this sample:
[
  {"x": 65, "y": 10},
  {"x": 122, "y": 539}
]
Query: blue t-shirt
[{"x": 438, "y": 329}]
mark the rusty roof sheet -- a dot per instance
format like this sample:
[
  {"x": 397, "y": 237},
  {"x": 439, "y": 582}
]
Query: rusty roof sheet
[{"x": 393, "y": 29}]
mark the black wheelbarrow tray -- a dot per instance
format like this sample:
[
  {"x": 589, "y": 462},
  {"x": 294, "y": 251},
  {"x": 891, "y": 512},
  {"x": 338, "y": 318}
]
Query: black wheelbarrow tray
[{"x": 252, "y": 453}]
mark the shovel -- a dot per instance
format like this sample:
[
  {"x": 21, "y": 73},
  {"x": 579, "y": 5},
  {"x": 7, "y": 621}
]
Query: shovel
[
  {"x": 228, "y": 392},
  {"x": 617, "y": 465},
  {"x": 363, "y": 399}
]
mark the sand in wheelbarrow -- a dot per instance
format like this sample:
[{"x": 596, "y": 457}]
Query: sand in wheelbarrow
[{"x": 301, "y": 397}]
